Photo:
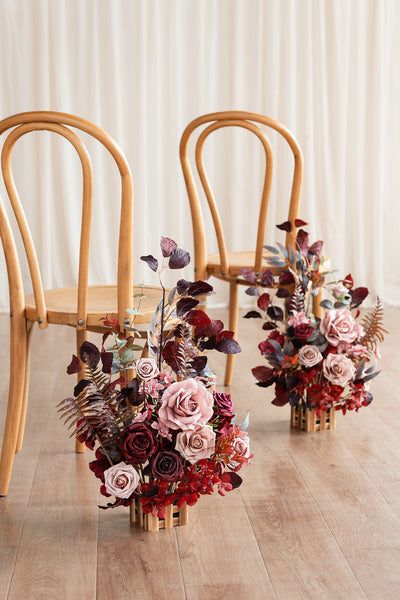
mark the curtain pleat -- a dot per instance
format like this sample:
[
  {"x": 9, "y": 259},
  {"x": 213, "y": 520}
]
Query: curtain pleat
[{"x": 142, "y": 69}]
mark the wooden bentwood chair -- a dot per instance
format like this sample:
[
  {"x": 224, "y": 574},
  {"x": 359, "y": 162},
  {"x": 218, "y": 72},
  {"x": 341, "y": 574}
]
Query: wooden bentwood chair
[
  {"x": 81, "y": 307},
  {"x": 226, "y": 265}
]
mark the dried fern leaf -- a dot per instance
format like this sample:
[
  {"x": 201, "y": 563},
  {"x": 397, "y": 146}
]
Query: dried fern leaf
[
  {"x": 297, "y": 301},
  {"x": 373, "y": 326}
]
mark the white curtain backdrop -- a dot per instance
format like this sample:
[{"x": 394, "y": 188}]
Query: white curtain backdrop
[{"x": 142, "y": 69}]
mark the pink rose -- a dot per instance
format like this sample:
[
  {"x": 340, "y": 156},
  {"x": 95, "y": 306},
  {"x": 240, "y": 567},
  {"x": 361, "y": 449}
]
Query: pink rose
[
  {"x": 338, "y": 325},
  {"x": 357, "y": 350},
  {"x": 340, "y": 291},
  {"x": 309, "y": 356},
  {"x": 146, "y": 368},
  {"x": 298, "y": 318},
  {"x": 241, "y": 447},
  {"x": 186, "y": 405},
  {"x": 121, "y": 480},
  {"x": 197, "y": 444},
  {"x": 338, "y": 369}
]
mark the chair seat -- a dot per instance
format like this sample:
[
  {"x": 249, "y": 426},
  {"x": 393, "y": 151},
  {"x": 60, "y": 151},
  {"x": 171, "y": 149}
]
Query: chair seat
[
  {"x": 236, "y": 261},
  {"x": 102, "y": 301}
]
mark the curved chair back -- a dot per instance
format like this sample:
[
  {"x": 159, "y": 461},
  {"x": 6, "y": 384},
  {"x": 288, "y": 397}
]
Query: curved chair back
[
  {"x": 201, "y": 128},
  {"x": 61, "y": 124}
]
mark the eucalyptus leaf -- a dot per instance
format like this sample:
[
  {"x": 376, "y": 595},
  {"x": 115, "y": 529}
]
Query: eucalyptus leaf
[
  {"x": 341, "y": 304},
  {"x": 326, "y": 304},
  {"x": 371, "y": 376},
  {"x": 282, "y": 249},
  {"x": 133, "y": 311},
  {"x": 272, "y": 249},
  {"x": 245, "y": 422}
]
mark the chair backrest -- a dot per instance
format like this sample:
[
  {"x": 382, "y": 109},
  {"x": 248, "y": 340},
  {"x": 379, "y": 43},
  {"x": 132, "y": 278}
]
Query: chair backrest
[
  {"x": 61, "y": 123},
  {"x": 251, "y": 122}
]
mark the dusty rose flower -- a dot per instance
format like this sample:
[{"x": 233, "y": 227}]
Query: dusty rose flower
[
  {"x": 162, "y": 430},
  {"x": 186, "y": 405},
  {"x": 146, "y": 368},
  {"x": 121, "y": 480},
  {"x": 241, "y": 447},
  {"x": 340, "y": 291},
  {"x": 309, "y": 355},
  {"x": 357, "y": 350},
  {"x": 151, "y": 387},
  {"x": 197, "y": 444},
  {"x": 298, "y": 318},
  {"x": 338, "y": 369},
  {"x": 338, "y": 325},
  {"x": 167, "y": 465},
  {"x": 138, "y": 443}
]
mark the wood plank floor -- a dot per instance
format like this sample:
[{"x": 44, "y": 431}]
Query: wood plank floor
[{"x": 317, "y": 517}]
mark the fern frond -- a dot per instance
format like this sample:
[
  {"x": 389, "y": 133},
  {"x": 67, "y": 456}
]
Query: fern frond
[
  {"x": 373, "y": 326},
  {"x": 297, "y": 301}
]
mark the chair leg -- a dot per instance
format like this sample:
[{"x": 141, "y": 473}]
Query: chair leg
[
  {"x": 233, "y": 326},
  {"x": 82, "y": 335},
  {"x": 26, "y": 388},
  {"x": 317, "y": 309},
  {"x": 18, "y": 346}
]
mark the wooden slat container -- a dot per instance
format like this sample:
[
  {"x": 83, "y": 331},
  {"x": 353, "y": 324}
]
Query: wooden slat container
[
  {"x": 175, "y": 516},
  {"x": 307, "y": 420}
]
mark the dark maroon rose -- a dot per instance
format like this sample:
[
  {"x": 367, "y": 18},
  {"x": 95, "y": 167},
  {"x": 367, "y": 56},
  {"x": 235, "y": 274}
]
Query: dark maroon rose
[
  {"x": 303, "y": 331},
  {"x": 138, "y": 443},
  {"x": 223, "y": 403},
  {"x": 167, "y": 465}
]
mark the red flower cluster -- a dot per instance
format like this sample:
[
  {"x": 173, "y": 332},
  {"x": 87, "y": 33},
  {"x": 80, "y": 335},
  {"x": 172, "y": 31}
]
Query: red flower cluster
[
  {"x": 319, "y": 363},
  {"x": 165, "y": 437}
]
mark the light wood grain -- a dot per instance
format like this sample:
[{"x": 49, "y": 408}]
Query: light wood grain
[{"x": 317, "y": 515}]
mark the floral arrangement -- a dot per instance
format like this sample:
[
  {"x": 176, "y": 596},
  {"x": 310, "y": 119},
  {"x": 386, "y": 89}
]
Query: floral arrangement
[
  {"x": 314, "y": 362},
  {"x": 161, "y": 433}
]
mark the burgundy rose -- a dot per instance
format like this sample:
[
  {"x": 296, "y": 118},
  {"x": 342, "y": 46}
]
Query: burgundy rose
[
  {"x": 167, "y": 465},
  {"x": 303, "y": 331},
  {"x": 138, "y": 443},
  {"x": 223, "y": 402}
]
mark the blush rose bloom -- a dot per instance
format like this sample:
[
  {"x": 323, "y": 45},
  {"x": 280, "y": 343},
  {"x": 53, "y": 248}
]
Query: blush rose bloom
[
  {"x": 186, "y": 405},
  {"x": 309, "y": 355},
  {"x": 121, "y": 480},
  {"x": 298, "y": 318},
  {"x": 338, "y": 325},
  {"x": 197, "y": 444},
  {"x": 340, "y": 291},
  {"x": 338, "y": 369},
  {"x": 146, "y": 368},
  {"x": 241, "y": 447}
]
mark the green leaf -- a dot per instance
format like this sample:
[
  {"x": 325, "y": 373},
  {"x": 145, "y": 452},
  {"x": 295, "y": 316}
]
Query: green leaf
[
  {"x": 135, "y": 347},
  {"x": 127, "y": 356}
]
